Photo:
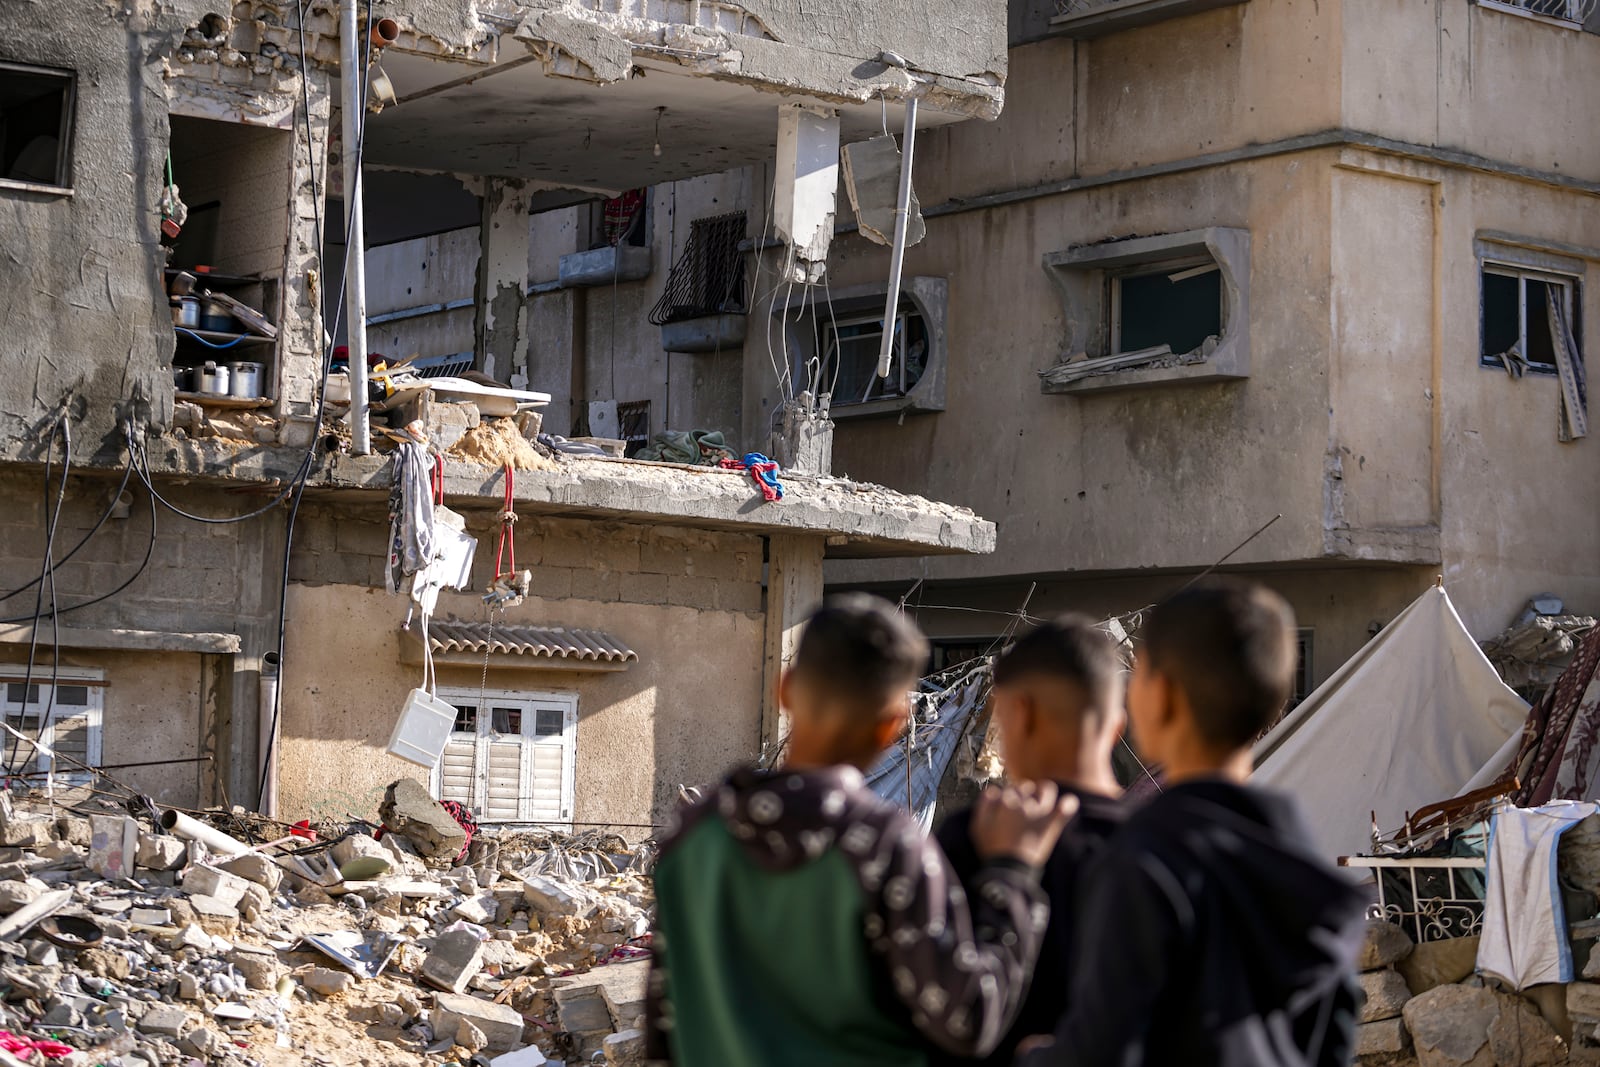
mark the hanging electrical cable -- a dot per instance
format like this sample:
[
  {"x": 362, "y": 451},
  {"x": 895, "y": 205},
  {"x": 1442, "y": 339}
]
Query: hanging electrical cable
[
  {"x": 127, "y": 475},
  {"x": 63, "y": 429}
]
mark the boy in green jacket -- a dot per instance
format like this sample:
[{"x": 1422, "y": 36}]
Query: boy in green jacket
[{"x": 800, "y": 919}]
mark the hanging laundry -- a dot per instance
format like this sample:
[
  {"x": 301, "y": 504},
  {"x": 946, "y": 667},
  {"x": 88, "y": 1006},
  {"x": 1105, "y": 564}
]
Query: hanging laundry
[
  {"x": 620, "y": 214},
  {"x": 1524, "y": 939},
  {"x": 762, "y": 469},
  {"x": 411, "y": 535}
]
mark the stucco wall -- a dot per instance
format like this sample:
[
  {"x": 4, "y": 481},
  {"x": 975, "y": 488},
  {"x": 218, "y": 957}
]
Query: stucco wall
[{"x": 689, "y": 603}]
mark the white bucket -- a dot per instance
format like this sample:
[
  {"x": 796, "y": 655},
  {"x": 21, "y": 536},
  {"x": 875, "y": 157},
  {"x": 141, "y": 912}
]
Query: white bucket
[
  {"x": 245, "y": 379},
  {"x": 423, "y": 729}
]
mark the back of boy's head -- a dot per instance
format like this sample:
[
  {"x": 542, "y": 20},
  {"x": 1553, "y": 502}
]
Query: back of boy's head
[
  {"x": 858, "y": 650},
  {"x": 1229, "y": 647},
  {"x": 1072, "y": 649}
]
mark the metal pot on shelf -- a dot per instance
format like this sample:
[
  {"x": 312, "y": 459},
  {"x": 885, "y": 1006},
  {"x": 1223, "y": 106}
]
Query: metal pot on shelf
[
  {"x": 215, "y": 316},
  {"x": 244, "y": 379},
  {"x": 213, "y": 379},
  {"x": 181, "y": 378},
  {"x": 186, "y": 312}
]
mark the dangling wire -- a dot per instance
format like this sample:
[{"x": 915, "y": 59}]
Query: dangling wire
[{"x": 508, "y": 540}]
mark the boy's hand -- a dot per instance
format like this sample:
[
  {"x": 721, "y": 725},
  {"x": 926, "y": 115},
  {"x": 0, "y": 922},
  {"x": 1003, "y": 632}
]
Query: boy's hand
[{"x": 1021, "y": 822}]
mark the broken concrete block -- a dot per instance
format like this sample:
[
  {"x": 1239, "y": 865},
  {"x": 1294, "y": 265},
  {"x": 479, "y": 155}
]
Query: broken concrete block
[
  {"x": 260, "y": 970},
  {"x": 1450, "y": 1025},
  {"x": 523, "y": 1057},
  {"x": 470, "y": 1037},
  {"x": 1520, "y": 1035},
  {"x": 500, "y": 1023},
  {"x": 325, "y": 981},
  {"x": 1386, "y": 994},
  {"x": 202, "y": 880},
  {"x": 583, "y": 1014},
  {"x": 360, "y": 858},
  {"x": 1583, "y": 1000},
  {"x": 163, "y": 1021},
  {"x": 73, "y": 830},
  {"x": 26, "y": 831},
  {"x": 161, "y": 852},
  {"x": 150, "y": 917},
  {"x": 17, "y": 894},
  {"x": 478, "y": 910},
  {"x": 254, "y": 867},
  {"x": 209, "y": 907},
  {"x": 456, "y": 956},
  {"x": 872, "y": 180},
  {"x": 625, "y": 1047},
  {"x": 1384, "y": 943},
  {"x": 1436, "y": 963},
  {"x": 408, "y": 810},
  {"x": 113, "y": 845},
  {"x": 550, "y": 897},
  {"x": 1387, "y": 1036}
]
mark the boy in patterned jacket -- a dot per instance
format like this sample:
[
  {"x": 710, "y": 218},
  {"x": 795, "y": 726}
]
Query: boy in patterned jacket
[{"x": 800, "y": 919}]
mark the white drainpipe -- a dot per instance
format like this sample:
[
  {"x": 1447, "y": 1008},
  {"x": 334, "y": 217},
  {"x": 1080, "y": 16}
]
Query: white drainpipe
[
  {"x": 902, "y": 210},
  {"x": 353, "y": 113}
]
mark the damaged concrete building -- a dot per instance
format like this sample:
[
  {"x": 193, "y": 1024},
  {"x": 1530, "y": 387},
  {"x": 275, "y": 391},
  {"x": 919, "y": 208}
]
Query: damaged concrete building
[
  {"x": 1256, "y": 259},
  {"x": 544, "y": 183}
]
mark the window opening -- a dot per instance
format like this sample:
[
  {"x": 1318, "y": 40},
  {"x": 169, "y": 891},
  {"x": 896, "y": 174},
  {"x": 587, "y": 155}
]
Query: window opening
[
  {"x": 633, "y": 421},
  {"x": 708, "y": 278},
  {"x": 73, "y": 728},
  {"x": 1177, "y": 304},
  {"x": 850, "y": 347},
  {"x": 1516, "y": 324},
  {"x": 1302, "y": 668},
  {"x": 36, "y": 106},
  {"x": 511, "y": 757}
]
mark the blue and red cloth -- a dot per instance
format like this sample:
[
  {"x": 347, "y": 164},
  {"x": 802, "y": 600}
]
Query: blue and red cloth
[{"x": 762, "y": 469}]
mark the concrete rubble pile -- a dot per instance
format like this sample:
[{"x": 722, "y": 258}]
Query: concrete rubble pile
[
  {"x": 126, "y": 945},
  {"x": 1425, "y": 1007}
]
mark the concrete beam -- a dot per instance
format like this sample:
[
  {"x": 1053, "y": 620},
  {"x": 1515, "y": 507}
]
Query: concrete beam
[
  {"x": 124, "y": 640},
  {"x": 794, "y": 587},
  {"x": 855, "y": 519}
]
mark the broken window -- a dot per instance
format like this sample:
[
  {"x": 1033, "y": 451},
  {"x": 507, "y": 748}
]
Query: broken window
[
  {"x": 1519, "y": 306},
  {"x": 1149, "y": 311},
  {"x": 36, "y": 105},
  {"x": 850, "y": 348},
  {"x": 835, "y": 342},
  {"x": 708, "y": 278},
  {"x": 70, "y": 711},
  {"x": 510, "y": 756},
  {"x": 1176, "y": 305}
]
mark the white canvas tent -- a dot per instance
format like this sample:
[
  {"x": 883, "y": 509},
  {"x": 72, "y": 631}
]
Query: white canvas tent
[{"x": 1413, "y": 718}]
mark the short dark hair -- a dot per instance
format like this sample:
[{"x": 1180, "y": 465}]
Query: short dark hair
[
  {"x": 1229, "y": 645},
  {"x": 1071, "y": 648},
  {"x": 859, "y": 648}
]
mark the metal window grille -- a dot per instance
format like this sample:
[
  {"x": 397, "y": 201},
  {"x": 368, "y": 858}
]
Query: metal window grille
[
  {"x": 1567, "y": 10},
  {"x": 1432, "y": 898},
  {"x": 633, "y": 424},
  {"x": 442, "y": 366},
  {"x": 708, "y": 278}
]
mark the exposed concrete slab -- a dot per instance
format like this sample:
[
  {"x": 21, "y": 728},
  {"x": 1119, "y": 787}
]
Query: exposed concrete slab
[
  {"x": 123, "y": 640},
  {"x": 857, "y": 518}
]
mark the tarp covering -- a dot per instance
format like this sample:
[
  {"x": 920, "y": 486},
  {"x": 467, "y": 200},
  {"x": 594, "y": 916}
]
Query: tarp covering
[
  {"x": 1408, "y": 721},
  {"x": 939, "y": 723}
]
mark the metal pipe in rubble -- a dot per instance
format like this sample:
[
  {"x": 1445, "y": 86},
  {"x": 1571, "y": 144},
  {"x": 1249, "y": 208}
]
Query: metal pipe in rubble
[
  {"x": 897, "y": 252},
  {"x": 176, "y": 822},
  {"x": 266, "y": 712},
  {"x": 352, "y": 110}
]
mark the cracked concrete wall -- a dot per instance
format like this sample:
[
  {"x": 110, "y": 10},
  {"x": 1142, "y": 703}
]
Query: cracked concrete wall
[
  {"x": 200, "y": 579},
  {"x": 689, "y": 602}
]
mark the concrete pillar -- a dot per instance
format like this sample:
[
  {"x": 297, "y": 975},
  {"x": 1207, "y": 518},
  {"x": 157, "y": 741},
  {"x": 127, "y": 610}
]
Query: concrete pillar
[
  {"x": 794, "y": 588},
  {"x": 804, "y": 198},
  {"x": 500, "y": 330},
  {"x": 217, "y": 775}
]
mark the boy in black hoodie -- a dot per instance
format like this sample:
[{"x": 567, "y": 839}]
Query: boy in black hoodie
[
  {"x": 1212, "y": 936},
  {"x": 1057, "y": 702},
  {"x": 802, "y": 920}
]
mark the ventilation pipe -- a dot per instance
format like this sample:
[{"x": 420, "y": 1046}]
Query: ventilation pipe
[
  {"x": 897, "y": 253},
  {"x": 352, "y": 89}
]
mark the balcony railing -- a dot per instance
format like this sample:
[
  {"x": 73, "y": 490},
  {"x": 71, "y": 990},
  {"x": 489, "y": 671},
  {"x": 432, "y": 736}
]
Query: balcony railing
[{"x": 1573, "y": 11}]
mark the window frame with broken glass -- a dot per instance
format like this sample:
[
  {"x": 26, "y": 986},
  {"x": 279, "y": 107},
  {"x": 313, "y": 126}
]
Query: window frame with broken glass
[
  {"x": 67, "y": 698},
  {"x": 1491, "y": 352}
]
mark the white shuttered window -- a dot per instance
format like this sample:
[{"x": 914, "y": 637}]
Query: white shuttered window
[
  {"x": 510, "y": 758},
  {"x": 75, "y": 705}
]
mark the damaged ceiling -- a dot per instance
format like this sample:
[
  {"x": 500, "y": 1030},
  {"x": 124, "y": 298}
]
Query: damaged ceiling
[{"x": 513, "y": 120}]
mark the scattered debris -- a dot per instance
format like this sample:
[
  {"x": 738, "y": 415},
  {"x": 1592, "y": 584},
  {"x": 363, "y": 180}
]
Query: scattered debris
[
  {"x": 270, "y": 957},
  {"x": 1531, "y": 653}
]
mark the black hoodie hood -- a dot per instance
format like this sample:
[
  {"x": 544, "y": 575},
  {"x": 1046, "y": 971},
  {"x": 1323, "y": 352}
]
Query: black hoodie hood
[{"x": 1292, "y": 924}]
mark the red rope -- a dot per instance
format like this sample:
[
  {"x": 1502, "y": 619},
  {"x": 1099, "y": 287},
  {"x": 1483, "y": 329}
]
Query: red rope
[{"x": 508, "y": 541}]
